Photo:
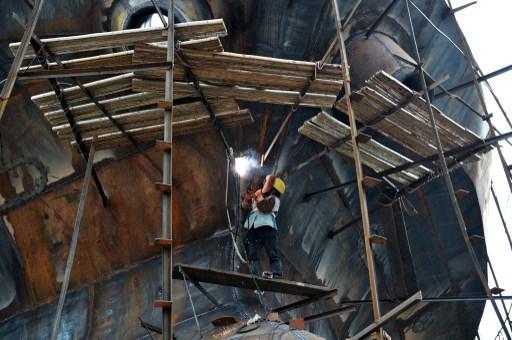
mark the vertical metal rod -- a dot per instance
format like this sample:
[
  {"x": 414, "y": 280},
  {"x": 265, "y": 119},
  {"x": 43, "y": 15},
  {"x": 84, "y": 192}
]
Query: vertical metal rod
[
  {"x": 359, "y": 172},
  {"x": 501, "y": 216},
  {"x": 499, "y": 294},
  {"x": 73, "y": 244},
  {"x": 157, "y": 9},
  {"x": 446, "y": 175},
  {"x": 471, "y": 63},
  {"x": 167, "y": 260},
  {"x": 18, "y": 59},
  {"x": 380, "y": 18}
]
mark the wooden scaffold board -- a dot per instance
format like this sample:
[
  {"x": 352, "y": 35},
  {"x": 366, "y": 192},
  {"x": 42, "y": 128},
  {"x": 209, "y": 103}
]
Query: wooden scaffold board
[
  {"x": 131, "y": 98},
  {"x": 247, "y": 281},
  {"x": 327, "y": 130},
  {"x": 410, "y": 125}
]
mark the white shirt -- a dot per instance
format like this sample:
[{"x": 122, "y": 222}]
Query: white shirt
[{"x": 257, "y": 219}]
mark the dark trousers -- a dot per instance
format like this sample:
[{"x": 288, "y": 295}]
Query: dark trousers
[{"x": 259, "y": 238}]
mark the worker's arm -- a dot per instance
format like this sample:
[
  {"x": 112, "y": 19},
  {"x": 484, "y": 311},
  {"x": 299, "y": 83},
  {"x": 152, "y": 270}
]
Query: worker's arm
[
  {"x": 247, "y": 201},
  {"x": 267, "y": 204}
]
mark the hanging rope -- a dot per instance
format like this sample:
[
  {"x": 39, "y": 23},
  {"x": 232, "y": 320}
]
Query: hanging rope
[{"x": 191, "y": 301}]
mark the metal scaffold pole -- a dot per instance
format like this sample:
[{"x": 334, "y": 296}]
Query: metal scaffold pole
[
  {"x": 446, "y": 174},
  {"x": 359, "y": 171},
  {"x": 167, "y": 260},
  {"x": 18, "y": 59}
]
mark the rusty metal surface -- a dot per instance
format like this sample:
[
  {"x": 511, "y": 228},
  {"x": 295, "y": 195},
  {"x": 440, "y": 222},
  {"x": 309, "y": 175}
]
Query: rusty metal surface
[{"x": 116, "y": 275}]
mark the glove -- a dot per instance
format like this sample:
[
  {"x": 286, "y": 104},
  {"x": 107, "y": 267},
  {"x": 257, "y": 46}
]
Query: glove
[
  {"x": 258, "y": 195},
  {"x": 246, "y": 203}
]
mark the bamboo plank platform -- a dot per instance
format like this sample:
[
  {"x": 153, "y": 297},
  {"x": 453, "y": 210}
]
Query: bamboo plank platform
[
  {"x": 327, "y": 130},
  {"x": 148, "y": 117},
  {"x": 108, "y": 40},
  {"x": 410, "y": 125},
  {"x": 233, "y": 279},
  {"x": 250, "y": 94},
  {"x": 150, "y": 133},
  {"x": 131, "y": 98},
  {"x": 48, "y": 101}
]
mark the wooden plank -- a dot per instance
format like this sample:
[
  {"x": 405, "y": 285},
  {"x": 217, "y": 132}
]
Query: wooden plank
[
  {"x": 75, "y": 94},
  {"x": 409, "y": 126},
  {"x": 389, "y": 316},
  {"x": 250, "y": 94},
  {"x": 237, "y": 61},
  {"x": 327, "y": 130},
  {"x": 108, "y": 59},
  {"x": 90, "y": 110},
  {"x": 234, "y": 279},
  {"x": 131, "y": 120},
  {"x": 151, "y": 133},
  {"x": 211, "y": 44},
  {"x": 108, "y": 40},
  {"x": 233, "y": 77},
  {"x": 93, "y": 71}
]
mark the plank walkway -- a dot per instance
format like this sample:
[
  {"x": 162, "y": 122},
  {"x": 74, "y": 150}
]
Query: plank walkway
[{"x": 234, "y": 279}]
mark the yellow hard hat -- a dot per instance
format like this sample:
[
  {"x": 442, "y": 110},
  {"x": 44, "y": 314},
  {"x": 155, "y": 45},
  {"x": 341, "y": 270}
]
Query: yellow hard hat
[{"x": 279, "y": 185}]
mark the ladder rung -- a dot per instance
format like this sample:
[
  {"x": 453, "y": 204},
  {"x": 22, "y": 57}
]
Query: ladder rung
[
  {"x": 371, "y": 182},
  {"x": 377, "y": 239},
  {"x": 167, "y": 188},
  {"x": 297, "y": 323},
  {"x": 363, "y": 138},
  {"x": 163, "y": 146},
  {"x": 163, "y": 242},
  {"x": 162, "y": 104},
  {"x": 461, "y": 193},
  {"x": 164, "y": 304}
]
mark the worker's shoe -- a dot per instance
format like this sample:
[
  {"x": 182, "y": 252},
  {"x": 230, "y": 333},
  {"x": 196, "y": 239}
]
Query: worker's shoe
[{"x": 267, "y": 275}]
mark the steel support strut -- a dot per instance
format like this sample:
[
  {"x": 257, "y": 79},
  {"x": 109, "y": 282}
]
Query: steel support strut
[
  {"x": 18, "y": 59},
  {"x": 359, "y": 172},
  {"x": 59, "y": 93},
  {"x": 446, "y": 174},
  {"x": 167, "y": 260}
]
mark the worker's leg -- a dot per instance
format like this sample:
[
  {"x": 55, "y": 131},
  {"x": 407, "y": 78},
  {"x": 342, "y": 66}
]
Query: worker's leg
[
  {"x": 270, "y": 244},
  {"x": 253, "y": 253}
]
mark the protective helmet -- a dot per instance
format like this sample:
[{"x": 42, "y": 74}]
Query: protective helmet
[{"x": 279, "y": 185}]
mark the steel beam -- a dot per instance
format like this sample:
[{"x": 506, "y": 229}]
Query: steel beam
[
  {"x": 380, "y": 18},
  {"x": 478, "y": 79},
  {"x": 18, "y": 59},
  {"x": 496, "y": 201},
  {"x": 389, "y": 316},
  {"x": 330, "y": 314},
  {"x": 49, "y": 54},
  {"x": 472, "y": 148},
  {"x": 42, "y": 57},
  {"x": 73, "y": 244},
  {"x": 446, "y": 173}
]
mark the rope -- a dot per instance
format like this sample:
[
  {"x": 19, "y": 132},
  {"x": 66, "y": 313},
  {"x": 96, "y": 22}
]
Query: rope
[{"x": 191, "y": 301}]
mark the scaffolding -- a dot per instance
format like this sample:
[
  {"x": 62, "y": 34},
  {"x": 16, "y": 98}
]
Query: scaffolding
[{"x": 93, "y": 116}]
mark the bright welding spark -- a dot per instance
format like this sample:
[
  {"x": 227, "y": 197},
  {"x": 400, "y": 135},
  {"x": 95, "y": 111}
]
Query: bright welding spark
[{"x": 244, "y": 165}]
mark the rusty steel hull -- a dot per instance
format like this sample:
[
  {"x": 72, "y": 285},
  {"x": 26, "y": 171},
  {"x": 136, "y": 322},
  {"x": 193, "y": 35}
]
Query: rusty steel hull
[{"x": 116, "y": 275}]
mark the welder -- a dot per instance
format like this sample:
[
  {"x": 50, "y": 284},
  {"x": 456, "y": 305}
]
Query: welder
[{"x": 262, "y": 206}]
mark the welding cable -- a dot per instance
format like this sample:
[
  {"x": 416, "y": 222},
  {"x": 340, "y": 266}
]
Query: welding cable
[{"x": 230, "y": 226}]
